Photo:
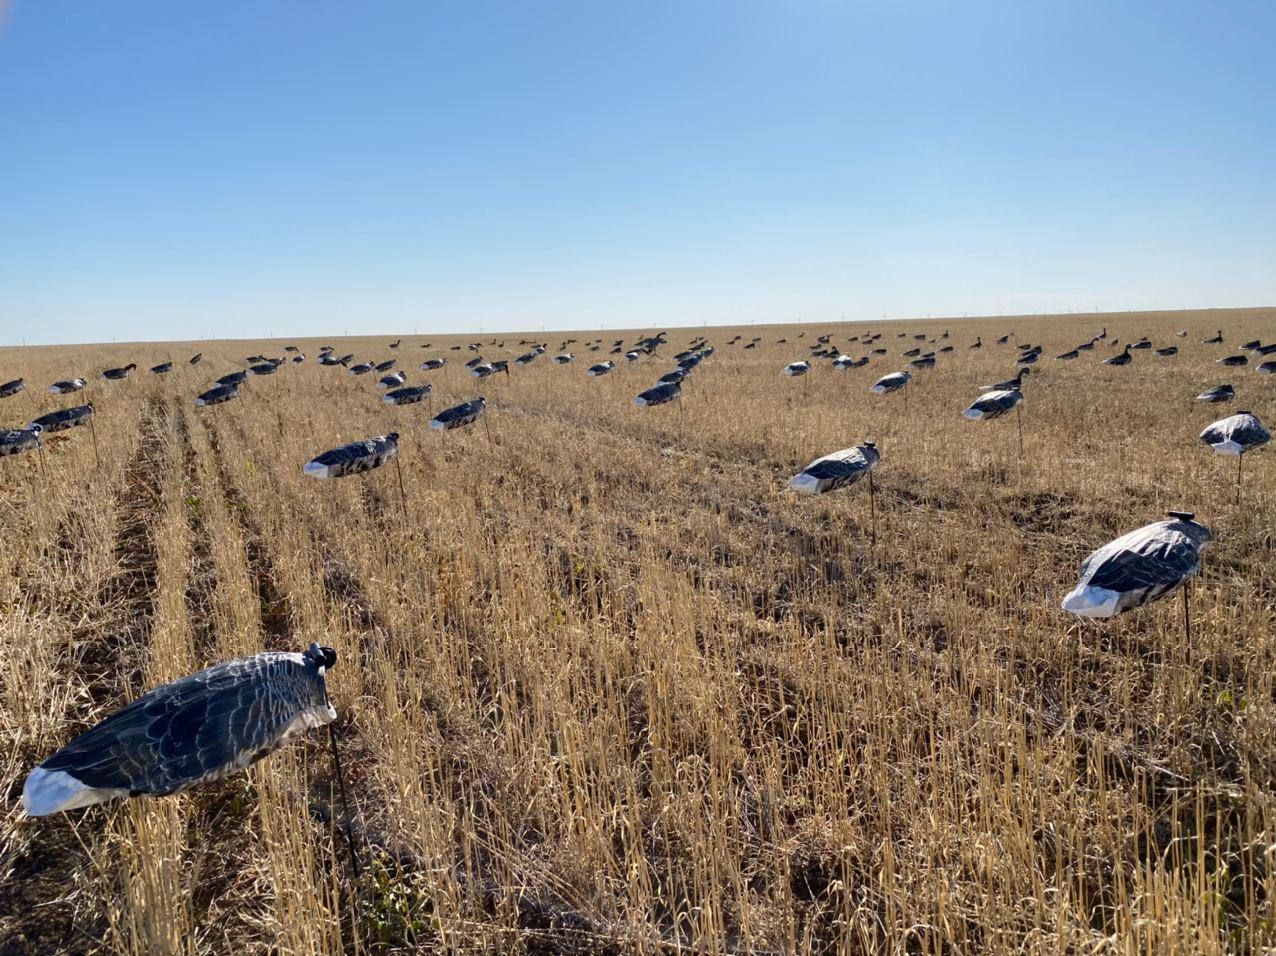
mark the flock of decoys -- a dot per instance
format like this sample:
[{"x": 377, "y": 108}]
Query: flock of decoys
[{"x": 220, "y": 720}]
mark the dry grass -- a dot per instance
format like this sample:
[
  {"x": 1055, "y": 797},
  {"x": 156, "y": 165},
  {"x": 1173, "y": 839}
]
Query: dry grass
[{"x": 612, "y": 688}]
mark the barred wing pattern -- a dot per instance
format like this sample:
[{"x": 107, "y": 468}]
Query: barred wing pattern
[
  {"x": 838, "y": 470},
  {"x": 202, "y": 727},
  {"x": 355, "y": 458},
  {"x": 1138, "y": 567}
]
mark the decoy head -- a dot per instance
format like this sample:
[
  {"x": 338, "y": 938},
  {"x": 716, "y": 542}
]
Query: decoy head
[
  {"x": 131, "y": 366},
  {"x": 393, "y": 437},
  {"x": 36, "y": 429},
  {"x": 870, "y": 444},
  {"x": 324, "y": 657}
]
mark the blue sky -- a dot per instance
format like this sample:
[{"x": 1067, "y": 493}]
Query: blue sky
[{"x": 176, "y": 170}]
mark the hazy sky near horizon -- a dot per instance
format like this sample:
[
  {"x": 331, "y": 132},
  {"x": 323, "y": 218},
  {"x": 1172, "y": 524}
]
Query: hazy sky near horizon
[{"x": 242, "y": 168}]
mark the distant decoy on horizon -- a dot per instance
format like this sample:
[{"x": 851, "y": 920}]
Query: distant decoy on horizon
[{"x": 200, "y": 728}]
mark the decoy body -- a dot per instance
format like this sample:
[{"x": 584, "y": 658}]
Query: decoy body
[
  {"x": 1139, "y": 567},
  {"x": 1236, "y": 434},
  {"x": 993, "y": 404},
  {"x": 355, "y": 458},
  {"x": 407, "y": 396},
  {"x": 67, "y": 386},
  {"x": 215, "y": 396},
  {"x": 838, "y": 470},
  {"x": 459, "y": 415},
  {"x": 14, "y": 441},
  {"x": 1217, "y": 394},
  {"x": 12, "y": 388},
  {"x": 115, "y": 374},
  {"x": 659, "y": 394},
  {"x": 202, "y": 727},
  {"x": 64, "y": 418},
  {"x": 602, "y": 368},
  {"x": 890, "y": 383}
]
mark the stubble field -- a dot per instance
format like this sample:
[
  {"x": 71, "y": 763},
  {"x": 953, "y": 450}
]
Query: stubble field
[{"x": 608, "y": 686}]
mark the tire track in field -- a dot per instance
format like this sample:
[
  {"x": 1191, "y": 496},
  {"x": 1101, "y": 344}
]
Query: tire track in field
[{"x": 47, "y": 873}]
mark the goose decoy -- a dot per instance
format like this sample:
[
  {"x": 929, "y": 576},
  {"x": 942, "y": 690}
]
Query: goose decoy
[
  {"x": 1251, "y": 346},
  {"x": 429, "y": 365},
  {"x": 233, "y": 378},
  {"x": 890, "y": 383},
  {"x": 407, "y": 396},
  {"x": 200, "y": 728},
  {"x": 195, "y": 359},
  {"x": 354, "y": 458},
  {"x": 1267, "y": 368},
  {"x": 393, "y": 380},
  {"x": 64, "y": 418},
  {"x": 12, "y": 388},
  {"x": 14, "y": 441},
  {"x": 1216, "y": 340},
  {"x": 1005, "y": 338},
  {"x": 1139, "y": 567},
  {"x": 363, "y": 368},
  {"x": 1236, "y": 435},
  {"x": 632, "y": 356},
  {"x": 794, "y": 369},
  {"x": 1168, "y": 351},
  {"x": 837, "y": 470},
  {"x": 162, "y": 369},
  {"x": 1143, "y": 343},
  {"x": 993, "y": 404},
  {"x": 659, "y": 394},
  {"x": 677, "y": 375},
  {"x": 215, "y": 396},
  {"x": 1015, "y": 383},
  {"x": 67, "y": 386},
  {"x": 1217, "y": 395},
  {"x": 1232, "y": 361},
  {"x": 458, "y": 416},
  {"x": 1067, "y": 356},
  {"x": 265, "y": 368},
  {"x": 482, "y": 370},
  {"x": 115, "y": 374},
  {"x": 395, "y": 344},
  {"x": 564, "y": 358},
  {"x": 527, "y": 358},
  {"x": 602, "y": 368},
  {"x": 1121, "y": 358},
  {"x": 925, "y": 361},
  {"x": 979, "y": 343},
  {"x": 1182, "y": 333},
  {"x": 384, "y": 366}
]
